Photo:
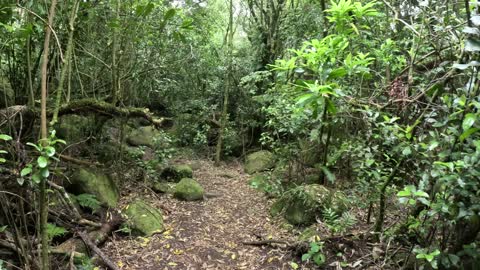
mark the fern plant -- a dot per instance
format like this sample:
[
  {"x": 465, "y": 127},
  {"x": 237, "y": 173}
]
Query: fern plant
[
  {"x": 54, "y": 231},
  {"x": 338, "y": 224},
  {"x": 88, "y": 201}
]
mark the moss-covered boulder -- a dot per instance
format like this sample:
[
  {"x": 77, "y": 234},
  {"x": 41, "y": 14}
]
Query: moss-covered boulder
[
  {"x": 259, "y": 161},
  {"x": 259, "y": 181},
  {"x": 176, "y": 173},
  {"x": 163, "y": 187},
  {"x": 74, "y": 128},
  {"x": 94, "y": 182},
  {"x": 188, "y": 190},
  {"x": 309, "y": 152},
  {"x": 142, "y": 136},
  {"x": 302, "y": 204},
  {"x": 143, "y": 219},
  {"x": 339, "y": 202}
]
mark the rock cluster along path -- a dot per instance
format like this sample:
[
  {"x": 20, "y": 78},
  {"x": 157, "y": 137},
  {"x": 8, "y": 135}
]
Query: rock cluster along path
[{"x": 206, "y": 234}]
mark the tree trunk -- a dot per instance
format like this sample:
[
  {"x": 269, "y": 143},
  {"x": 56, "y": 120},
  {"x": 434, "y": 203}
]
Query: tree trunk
[
  {"x": 228, "y": 85},
  {"x": 43, "y": 204},
  {"x": 66, "y": 64}
]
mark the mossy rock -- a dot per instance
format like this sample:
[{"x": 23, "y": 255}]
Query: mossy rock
[
  {"x": 94, "y": 182},
  {"x": 339, "y": 202},
  {"x": 144, "y": 219},
  {"x": 277, "y": 207},
  {"x": 163, "y": 187},
  {"x": 176, "y": 173},
  {"x": 143, "y": 136},
  {"x": 259, "y": 161},
  {"x": 188, "y": 190},
  {"x": 74, "y": 128},
  {"x": 309, "y": 152},
  {"x": 259, "y": 181},
  {"x": 308, "y": 234},
  {"x": 301, "y": 204}
]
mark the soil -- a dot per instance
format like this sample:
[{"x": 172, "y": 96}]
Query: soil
[{"x": 207, "y": 234}]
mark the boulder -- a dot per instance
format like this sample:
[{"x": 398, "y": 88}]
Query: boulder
[
  {"x": 188, "y": 190},
  {"x": 74, "y": 128},
  {"x": 176, "y": 173},
  {"x": 339, "y": 202},
  {"x": 163, "y": 187},
  {"x": 94, "y": 182},
  {"x": 259, "y": 161},
  {"x": 302, "y": 204},
  {"x": 309, "y": 152},
  {"x": 143, "y": 219},
  {"x": 143, "y": 136}
]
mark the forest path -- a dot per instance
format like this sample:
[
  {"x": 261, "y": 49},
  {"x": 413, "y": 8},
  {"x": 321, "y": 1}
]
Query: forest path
[{"x": 207, "y": 234}]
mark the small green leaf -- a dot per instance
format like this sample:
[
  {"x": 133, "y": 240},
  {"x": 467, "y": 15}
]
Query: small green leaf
[
  {"x": 45, "y": 172},
  {"x": 36, "y": 178},
  {"x": 467, "y": 133},
  {"x": 35, "y": 146},
  {"x": 26, "y": 171},
  {"x": 306, "y": 257},
  {"x": 42, "y": 162},
  {"x": 407, "y": 151},
  {"x": 404, "y": 193},
  {"x": 468, "y": 121},
  {"x": 50, "y": 151}
]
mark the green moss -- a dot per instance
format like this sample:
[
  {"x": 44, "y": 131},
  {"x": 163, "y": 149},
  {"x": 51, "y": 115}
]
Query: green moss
[
  {"x": 176, "y": 173},
  {"x": 259, "y": 161},
  {"x": 189, "y": 190},
  {"x": 96, "y": 183},
  {"x": 163, "y": 187},
  {"x": 144, "y": 219},
  {"x": 143, "y": 136}
]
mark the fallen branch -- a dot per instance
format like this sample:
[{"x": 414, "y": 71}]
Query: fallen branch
[
  {"x": 78, "y": 161},
  {"x": 104, "y": 108},
  {"x": 97, "y": 251},
  {"x": 267, "y": 242}
]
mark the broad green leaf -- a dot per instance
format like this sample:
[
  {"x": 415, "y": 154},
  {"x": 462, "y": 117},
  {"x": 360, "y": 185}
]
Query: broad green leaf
[
  {"x": 169, "y": 14},
  {"x": 467, "y": 133},
  {"x": 2, "y": 160},
  {"x": 42, "y": 162},
  {"x": 404, "y": 193},
  {"x": 472, "y": 45},
  {"x": 5, "y": 137},
  {"x": 421, "y": 193},
  {"x": 468, "y": 121},
  {"x": 305, "y": 257},
  {"x": 407, "y": 151}
]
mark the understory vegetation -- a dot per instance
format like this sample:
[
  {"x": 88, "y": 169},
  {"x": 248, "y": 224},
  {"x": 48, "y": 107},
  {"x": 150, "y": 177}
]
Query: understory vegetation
[{"x": 356, "y": 121}]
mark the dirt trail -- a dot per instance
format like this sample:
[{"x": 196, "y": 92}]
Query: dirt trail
[{"x": 207, "y": 234}]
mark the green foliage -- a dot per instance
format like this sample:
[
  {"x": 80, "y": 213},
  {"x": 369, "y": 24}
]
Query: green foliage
[
  {"x": 429, "y": 257},
  {"x": 54, "y": 231},
  {"x": 88, "y": 201},
  {"x": 338, "y": 224},
  {"x": 315, "y": 253},
  {"x": 46, "y": 152},
  {"x": 4, "y": 137}
]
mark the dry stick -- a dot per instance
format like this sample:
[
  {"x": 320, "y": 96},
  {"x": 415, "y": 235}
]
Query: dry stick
[{"x": 97, "y": 251}]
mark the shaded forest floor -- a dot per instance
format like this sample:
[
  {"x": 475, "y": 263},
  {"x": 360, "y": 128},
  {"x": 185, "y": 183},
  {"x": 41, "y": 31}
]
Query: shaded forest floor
[{"x": 206, "y": 234}]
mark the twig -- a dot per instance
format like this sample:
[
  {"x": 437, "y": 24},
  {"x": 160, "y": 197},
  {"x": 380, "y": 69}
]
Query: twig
[{"x": 97, "y": 251}]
